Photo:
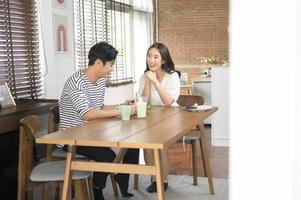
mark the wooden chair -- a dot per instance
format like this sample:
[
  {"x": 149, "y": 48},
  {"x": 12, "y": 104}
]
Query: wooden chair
[
  {"x": 44, "y": 173},
  {"x": 192, "y": 137},
  {"x": 54, "y": 153}
]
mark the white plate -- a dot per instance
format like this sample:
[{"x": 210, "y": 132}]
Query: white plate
[{"x": 200, "y": 108}]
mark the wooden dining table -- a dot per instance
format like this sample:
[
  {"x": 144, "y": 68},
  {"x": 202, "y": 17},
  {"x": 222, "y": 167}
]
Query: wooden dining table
[{"x": 162, "y": 127}]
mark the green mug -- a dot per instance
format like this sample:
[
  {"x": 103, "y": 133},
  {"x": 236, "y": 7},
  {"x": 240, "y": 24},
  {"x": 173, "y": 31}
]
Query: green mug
[{"x": 125, "y": 111}]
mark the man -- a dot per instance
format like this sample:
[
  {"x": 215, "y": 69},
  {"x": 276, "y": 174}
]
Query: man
[{"x": 82, "y": 100}]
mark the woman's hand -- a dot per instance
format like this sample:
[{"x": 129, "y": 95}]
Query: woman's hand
[
  {"x": 129, "y": 102},
  {"x": 151, "y": 76},
  {"x": 133, "y": 110}
]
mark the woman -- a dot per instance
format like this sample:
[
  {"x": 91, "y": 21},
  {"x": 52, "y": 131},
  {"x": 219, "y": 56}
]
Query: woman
[{"x": 161, "y": 85}]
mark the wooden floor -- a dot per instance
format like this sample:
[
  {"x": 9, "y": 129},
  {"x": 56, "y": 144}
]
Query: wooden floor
[{"x": 180, "y": 160}]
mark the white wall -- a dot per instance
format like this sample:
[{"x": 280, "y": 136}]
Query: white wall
[
  {"x": 57, "y": 67},
  {"x": 263, "y": 103},
  {"x": 117, "y": 95},
  {"x": 297, "y": 138},
  {"x": 61, "y": 65},
  {"x": 220, "y": 97}
]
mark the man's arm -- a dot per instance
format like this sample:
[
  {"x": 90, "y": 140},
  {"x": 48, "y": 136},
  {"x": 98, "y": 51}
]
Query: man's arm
[
  {"x": 105, "y": 112},
  {"x": 100, "y": 113}
]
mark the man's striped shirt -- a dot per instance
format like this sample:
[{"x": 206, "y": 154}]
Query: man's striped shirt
[{"x": 78, "y": 97}]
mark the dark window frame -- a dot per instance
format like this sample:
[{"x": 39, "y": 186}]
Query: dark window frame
[
  {"x": 19, "y": 48},
  {"x": 106, "y": 20}
]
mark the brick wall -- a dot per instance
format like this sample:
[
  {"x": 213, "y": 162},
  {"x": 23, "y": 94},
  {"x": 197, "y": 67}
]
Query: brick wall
[{"x": 193, "y": 29}]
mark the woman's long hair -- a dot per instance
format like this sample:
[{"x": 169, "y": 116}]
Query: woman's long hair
[{"x": 168, "y": 66}]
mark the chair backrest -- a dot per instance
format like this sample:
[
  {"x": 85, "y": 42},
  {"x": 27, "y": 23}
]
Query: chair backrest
[
  {"x": 53, "y": 125},
  {"x": 29, "y": 126},
  {"x": 53, "y": 119},
  {"x": 189, "y": 100}
]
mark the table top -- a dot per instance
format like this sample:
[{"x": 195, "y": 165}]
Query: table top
[
  {"x": 168, "y": 131},
  {"x": 161, "y": 127}
]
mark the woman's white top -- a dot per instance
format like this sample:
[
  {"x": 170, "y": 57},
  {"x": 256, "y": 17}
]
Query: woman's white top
[{"x": 171, "y": 84}]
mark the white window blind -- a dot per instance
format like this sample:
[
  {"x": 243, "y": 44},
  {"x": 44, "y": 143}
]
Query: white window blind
[
  {"x": 106, "y": 20},
  {"x": 19, "y": 48}
]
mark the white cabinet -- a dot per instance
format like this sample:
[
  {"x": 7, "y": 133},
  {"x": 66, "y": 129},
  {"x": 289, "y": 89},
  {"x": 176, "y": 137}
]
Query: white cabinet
[
  {"x": 220, "y": 98},
  {"x": 215, "y": 91},
  {"x": 203, "y": 88}
]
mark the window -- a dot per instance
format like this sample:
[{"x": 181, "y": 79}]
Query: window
[
  {"x": 105, "y": 20},
  {"x": 19, "y": 48},
  {"x": 143, "y": 34}
]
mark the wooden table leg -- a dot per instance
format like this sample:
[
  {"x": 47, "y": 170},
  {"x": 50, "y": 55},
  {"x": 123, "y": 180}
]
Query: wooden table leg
[
  {"x": 114, "y": 184},
  {"x": 159, "y": 178},
  {"x": 118, "y": 159},
  {"x": 194, "y": 162},
  {"x": 68, "y": 173},
  {"x": 120, "y": 155},
  {"x": 136, "y": 181},
  {"x": 205, "y": 157}
]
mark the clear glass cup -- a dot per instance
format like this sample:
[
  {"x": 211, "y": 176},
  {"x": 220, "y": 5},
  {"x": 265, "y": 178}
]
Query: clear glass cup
[{"x": 141, "y": 109}]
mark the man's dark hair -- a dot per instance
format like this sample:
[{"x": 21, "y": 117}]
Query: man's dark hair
[{"x": 103, "y": 51}]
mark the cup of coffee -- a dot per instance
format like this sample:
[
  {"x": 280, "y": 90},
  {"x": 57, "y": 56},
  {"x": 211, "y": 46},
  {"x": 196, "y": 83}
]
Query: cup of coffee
[
  {"x": 125, "y": 111},
  {"x": 141, "y": 109}
]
